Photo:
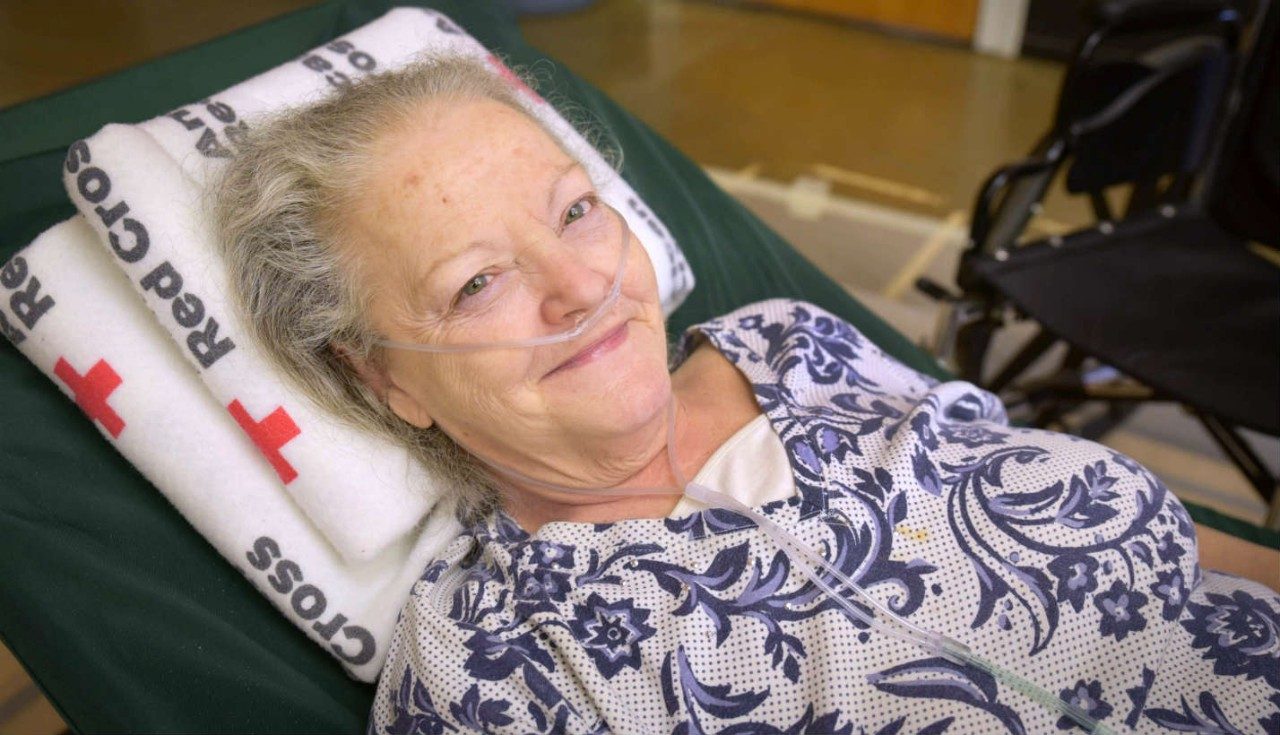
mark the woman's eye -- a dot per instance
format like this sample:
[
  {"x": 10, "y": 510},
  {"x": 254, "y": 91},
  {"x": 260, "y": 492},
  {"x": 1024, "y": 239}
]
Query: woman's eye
[
  {"x": 578, "y": 211},
  {"x": 475, "y": 285}
]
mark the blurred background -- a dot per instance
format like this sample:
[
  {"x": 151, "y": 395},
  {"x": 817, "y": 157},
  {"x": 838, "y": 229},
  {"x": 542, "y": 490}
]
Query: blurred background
[{"x": 861, "y": 130}]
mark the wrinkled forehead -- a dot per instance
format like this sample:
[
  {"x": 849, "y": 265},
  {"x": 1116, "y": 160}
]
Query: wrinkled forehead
[
  {"x": 449, "y": 166},
  {"x": 463, "y": 147}
]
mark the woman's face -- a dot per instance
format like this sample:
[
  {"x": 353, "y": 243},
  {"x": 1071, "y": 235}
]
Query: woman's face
[{"x": 477, "y": 227}]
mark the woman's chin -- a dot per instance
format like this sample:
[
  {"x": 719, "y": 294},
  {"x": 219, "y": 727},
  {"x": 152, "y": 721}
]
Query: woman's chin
[{"x": 617, "y": 399}]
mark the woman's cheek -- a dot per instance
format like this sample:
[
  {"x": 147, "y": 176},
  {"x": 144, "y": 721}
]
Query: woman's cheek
[
  {"x": 460, "y": 383},
  {"x": 641, "y": 282}
]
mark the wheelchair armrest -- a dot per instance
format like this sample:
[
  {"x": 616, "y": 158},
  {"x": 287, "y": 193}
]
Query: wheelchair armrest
[
  {"x": 1138, "y": 15},
  {"x": 999, "y": 182}
]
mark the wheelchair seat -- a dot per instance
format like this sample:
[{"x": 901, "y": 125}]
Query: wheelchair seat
[{"x": 1169, "y": 300}]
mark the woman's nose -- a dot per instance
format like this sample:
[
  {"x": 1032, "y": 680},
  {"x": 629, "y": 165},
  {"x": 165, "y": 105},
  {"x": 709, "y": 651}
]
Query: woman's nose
[{"x": 573, "y": 287}]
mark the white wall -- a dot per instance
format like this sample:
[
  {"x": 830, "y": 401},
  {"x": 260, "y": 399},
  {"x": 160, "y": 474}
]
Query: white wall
[{"x": 1000, "y": 26}]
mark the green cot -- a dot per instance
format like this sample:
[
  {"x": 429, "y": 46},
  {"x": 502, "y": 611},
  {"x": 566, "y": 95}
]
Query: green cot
[{"x": 125, "y": 617}]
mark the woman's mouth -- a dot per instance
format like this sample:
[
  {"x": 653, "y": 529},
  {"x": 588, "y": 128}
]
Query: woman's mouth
[{"x": 601, "y": 347}]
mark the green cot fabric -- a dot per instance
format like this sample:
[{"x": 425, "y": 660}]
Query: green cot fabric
[{"x": 126, "y": 618}]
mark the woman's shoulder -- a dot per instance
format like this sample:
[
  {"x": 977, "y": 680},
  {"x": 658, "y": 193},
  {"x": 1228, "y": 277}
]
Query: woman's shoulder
[
  {"x": 777, "y": 313},
  {"x": 808, "y": 349}
]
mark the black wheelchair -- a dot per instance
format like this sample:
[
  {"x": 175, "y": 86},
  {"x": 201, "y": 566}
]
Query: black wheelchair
[{"x": 1176, "y": 297}]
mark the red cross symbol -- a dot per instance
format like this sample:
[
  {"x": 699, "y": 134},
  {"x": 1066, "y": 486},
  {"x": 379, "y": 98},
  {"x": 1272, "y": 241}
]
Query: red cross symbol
[
  {"x": 513, "y": 79},
  {"x": 269, "y": 434},
  {"x": 91, "y": 391}
]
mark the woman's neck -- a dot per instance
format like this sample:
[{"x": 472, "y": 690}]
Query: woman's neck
[{"x": 711, "y": 400}]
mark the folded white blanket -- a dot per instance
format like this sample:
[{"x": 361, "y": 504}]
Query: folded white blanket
[
  {"x": 84, "y": 326},
  {"x": 140, "y": 188}
]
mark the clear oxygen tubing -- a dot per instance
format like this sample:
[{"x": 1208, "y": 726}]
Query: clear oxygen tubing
[
  {"x": 883, "y": 620},
  {"x": 584, "y": 323}
]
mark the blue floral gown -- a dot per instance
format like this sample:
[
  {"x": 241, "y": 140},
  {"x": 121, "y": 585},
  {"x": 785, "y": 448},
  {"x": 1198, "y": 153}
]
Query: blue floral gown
[{"x": 1054, "y": 556}]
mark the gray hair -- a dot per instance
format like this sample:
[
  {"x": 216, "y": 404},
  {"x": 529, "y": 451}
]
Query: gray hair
[{"x": 276, "y": 210}]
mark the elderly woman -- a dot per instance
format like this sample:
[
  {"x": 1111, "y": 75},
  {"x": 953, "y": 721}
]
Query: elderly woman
[{"x": 426, "y": 208}]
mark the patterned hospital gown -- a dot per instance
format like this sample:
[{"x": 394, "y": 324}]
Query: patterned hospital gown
[{"x": 1059, "y": 558}]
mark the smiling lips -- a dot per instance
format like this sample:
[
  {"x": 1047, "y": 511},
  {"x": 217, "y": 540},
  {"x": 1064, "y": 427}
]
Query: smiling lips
[{"x": 603, "y": 346}]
